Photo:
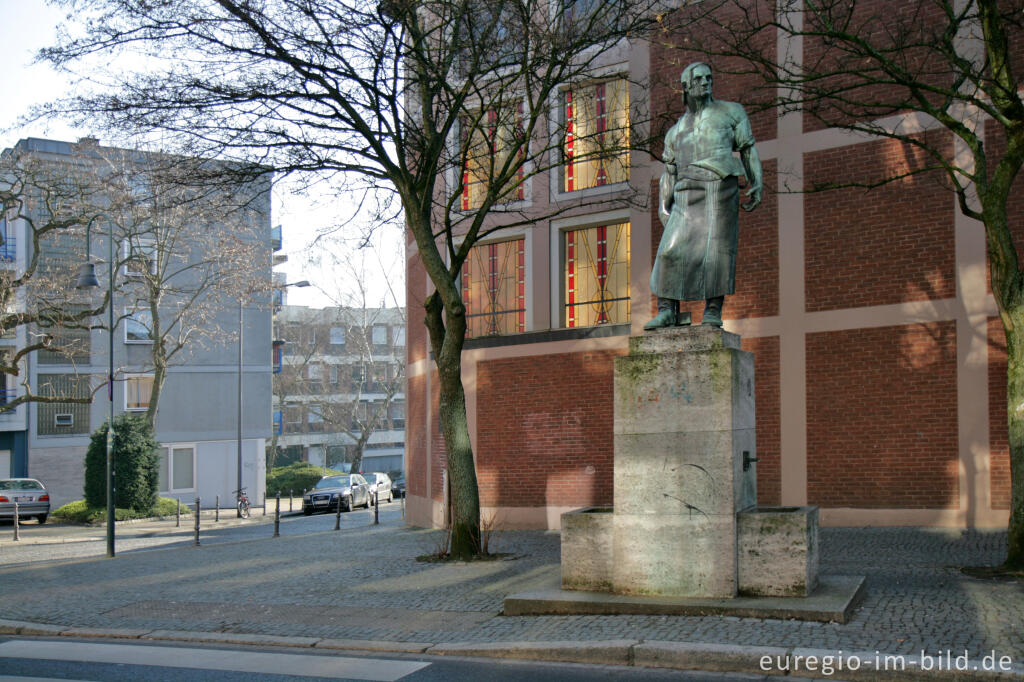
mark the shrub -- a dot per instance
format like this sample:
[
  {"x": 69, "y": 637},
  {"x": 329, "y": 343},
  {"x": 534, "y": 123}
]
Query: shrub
[
  {"x": 79, "y": 512},
  {"x": 295, "y": 477},
  {"x": 136, "y": 466}
]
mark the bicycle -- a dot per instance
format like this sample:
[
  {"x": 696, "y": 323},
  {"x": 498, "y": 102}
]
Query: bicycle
[{"x": 243, "y": 504}]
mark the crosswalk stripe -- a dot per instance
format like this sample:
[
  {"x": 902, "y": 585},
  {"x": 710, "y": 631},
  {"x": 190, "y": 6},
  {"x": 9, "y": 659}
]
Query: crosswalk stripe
[{"x": 341, "y": 667}]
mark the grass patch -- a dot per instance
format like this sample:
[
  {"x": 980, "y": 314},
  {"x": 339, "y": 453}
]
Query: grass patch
[
  {"x": 78, "y": 512},
  {"x": 449, "y": 559}
]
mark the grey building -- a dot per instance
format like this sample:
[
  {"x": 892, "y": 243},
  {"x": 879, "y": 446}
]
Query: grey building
[
  {"x": 189, "y": 253},
  {"x": 339, "y": 387}
]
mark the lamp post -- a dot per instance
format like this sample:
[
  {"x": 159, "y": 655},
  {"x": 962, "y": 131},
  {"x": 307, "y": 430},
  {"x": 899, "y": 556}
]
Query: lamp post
[
  {"x": 300, "y": 284},
  {"x": 87, "y": 280}
]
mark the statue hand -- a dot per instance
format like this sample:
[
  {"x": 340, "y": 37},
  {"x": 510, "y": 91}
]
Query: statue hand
[{"x": 755, "y": 198}]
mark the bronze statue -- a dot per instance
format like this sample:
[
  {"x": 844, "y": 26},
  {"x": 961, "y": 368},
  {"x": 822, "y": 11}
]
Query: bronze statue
[{"x": 699, "y": 202}]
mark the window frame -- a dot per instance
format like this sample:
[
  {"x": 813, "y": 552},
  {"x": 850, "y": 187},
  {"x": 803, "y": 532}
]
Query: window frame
[
  {"x": 129, "y": 318},
  {"x": 144, "y": 244},
  {"x": 502, "y": 237},
  {"x": 168, "y": 453},
  {"x": 124, "y": 382},
  {"x": 558, "y": 228}
]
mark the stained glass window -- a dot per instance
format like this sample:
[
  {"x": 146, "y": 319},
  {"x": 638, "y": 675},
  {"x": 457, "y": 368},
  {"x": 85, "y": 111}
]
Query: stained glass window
[
  {"x": 597, "y": 135},
  {"x": 487, "y": 151},
  {"x": 597, "y": 276},
  {"x": 494, "y": 288}
]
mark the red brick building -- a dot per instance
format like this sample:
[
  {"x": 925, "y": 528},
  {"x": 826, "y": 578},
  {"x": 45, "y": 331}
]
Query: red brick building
[{"x": 879, "y": 364}]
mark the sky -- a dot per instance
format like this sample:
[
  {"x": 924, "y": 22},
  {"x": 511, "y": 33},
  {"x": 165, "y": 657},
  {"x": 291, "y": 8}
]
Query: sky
[{"x": 27, "y": 25}]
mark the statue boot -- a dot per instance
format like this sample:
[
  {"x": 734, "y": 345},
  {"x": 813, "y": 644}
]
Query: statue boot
[
  {"x": 668, "y": 309},
  {"x": 713, "y": 311}
]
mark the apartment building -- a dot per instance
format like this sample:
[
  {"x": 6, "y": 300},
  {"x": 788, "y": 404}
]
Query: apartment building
[
  {"x": 339, "y": 387},
  {"x": 197, "y": 422}
]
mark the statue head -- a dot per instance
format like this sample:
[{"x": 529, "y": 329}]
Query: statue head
[{"x": 697, "y": 81}]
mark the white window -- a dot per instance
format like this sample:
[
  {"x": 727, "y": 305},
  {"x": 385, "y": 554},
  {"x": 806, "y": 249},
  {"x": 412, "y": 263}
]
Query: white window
[
  {"x": 337, "y": 336},
  {"x": 334, "y": 374},
  {"x": 315, "y": 372},
  {"x": 177, "y": 468},
  {"x": 138, "y": 326},
  {"x": 140, "y": 256},
  {"x": 137, "y": 391},
  {"x": 399, "y": 333},
  {"x": 380, "y": 335}
]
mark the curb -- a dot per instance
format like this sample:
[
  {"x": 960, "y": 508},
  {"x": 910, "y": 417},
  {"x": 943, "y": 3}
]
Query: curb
[{"x": 694, "y": 656}]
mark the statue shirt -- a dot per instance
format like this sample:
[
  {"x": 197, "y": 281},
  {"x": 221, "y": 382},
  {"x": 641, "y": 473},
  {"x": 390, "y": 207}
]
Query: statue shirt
[{"x": 708, "y": 139}]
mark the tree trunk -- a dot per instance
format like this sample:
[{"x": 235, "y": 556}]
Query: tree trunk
[
  {"x": 447, "y": 337},
  {"x": 1015, "y": 422}
]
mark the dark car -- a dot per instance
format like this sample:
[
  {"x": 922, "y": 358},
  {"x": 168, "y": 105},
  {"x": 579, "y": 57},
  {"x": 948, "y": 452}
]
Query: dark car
[
  {"x": 398, "y": 487},
  {"x": 330, "y": 492},
  {"x": 29, "y": 494}
]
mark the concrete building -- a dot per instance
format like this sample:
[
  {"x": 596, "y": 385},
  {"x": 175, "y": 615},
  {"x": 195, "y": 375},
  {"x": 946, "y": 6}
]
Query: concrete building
[
  {"x": 197, "y": 422},
  {"x": 880, "y": 369},
  {"x": 339, "y": 378}
]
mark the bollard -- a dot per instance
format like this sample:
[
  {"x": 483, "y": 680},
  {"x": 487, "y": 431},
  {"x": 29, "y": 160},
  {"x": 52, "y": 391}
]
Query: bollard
[
  {"x": 216, "y": 510},
  {"x": 337, "y": 515},
  {"x": 376, "y": 507},
  {"x": 264, "y": 502},
  {"x": 290, "y": 494},
  {"x": 16, "y": 538},
  {"x": 177, "y": 517},
  {"x": 403, "y": 506},
  {"x": 197, "y": 522},
  {"x": 277, "y": 516}
]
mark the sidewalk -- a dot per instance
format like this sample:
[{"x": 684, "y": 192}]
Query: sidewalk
[
  {"x": 364, "y": 589},
  {"x": 55, "y": 532}
]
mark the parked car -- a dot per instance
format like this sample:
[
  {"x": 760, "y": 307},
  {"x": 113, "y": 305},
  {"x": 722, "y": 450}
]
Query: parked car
[
  {"x": 380, "y": 484},
  {"x": 31, "y": 496},
  {"x": 330, "y": 492},
  {"x": 398, "y": 487}
]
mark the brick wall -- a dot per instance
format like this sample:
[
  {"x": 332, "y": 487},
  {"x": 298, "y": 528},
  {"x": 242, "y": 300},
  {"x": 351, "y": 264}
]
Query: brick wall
[
  {"x": 416, "y": 334},
  {"x": 544, "y": 430},
  {"x": 890, "y": 244},
  {"x": 882, "y": 417},
  {"x": 998, "y": 433},
  {"x": 766, "y": 399},
  {"x": 415, "y": 435}
]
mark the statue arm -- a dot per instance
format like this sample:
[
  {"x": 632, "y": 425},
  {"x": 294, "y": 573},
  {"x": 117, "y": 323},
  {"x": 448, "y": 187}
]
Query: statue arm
[
  {"x": 755, "y": 175},
  {"x": 666, "y": 192},
  {"x": 667, "y": 184}
]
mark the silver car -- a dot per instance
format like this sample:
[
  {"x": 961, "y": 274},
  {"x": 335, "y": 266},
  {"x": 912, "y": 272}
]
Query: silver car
[
  {"x": 29, "y": 494},
  {"x": 380, "y": 486}
]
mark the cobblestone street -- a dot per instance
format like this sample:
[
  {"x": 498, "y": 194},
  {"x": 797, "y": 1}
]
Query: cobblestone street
[{"x": 365, "y": 583}]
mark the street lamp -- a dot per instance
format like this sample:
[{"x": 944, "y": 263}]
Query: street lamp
[
  {"x": 87, "y": 280},
  {"x": 300, "y": 284}
]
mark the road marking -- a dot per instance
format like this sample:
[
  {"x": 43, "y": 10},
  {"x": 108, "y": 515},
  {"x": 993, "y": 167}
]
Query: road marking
[{"x": 379, "y": 670}]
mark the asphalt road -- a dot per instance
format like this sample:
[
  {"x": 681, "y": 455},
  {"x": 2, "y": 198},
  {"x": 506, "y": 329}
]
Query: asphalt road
[{"x": 38, "y": 660}]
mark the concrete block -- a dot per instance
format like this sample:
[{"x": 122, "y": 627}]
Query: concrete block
[
  {"x": 374, "y": 645},
  {"x": 777, "y": 552},
  {"x": 679, "y": 392},
  {"x": 697, "y": 656},
  {"x": 587, "y": 549},
  {"x": 691, "y": 555},
  {"x": 611, "y": 652},
  {"x": 683, "y": 340}
]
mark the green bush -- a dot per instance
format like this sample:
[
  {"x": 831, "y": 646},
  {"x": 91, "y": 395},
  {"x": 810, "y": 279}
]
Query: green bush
[
  {"x": 136, "y": 466},
  {"x": 79, "y": 512},
  {"x": 295, "y": 477}
]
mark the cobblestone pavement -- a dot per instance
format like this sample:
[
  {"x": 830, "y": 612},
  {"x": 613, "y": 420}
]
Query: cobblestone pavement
[{"x": 366, "y": 583}]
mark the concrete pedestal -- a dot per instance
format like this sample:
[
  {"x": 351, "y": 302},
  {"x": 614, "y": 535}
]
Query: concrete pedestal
[{"x": 685, "y": 521}]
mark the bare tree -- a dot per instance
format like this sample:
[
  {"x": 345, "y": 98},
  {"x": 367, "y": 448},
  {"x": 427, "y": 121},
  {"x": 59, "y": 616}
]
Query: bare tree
[
  {"x": 920, "y": 72},
  {"x": 39, "y": 307},
  {"x": 186, "y": 253},
  {"x": 421, "y": 97}
]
